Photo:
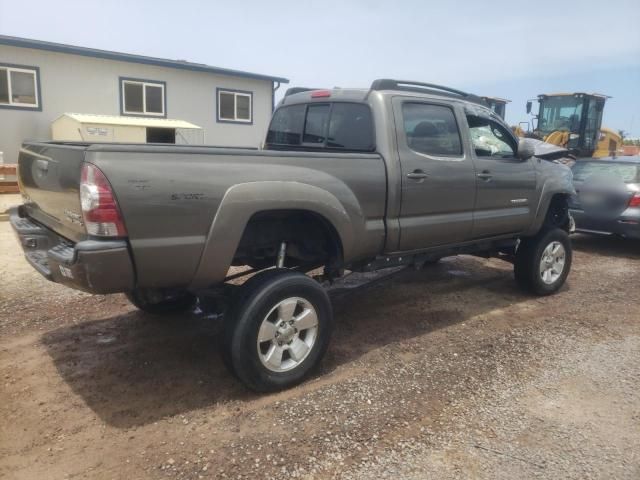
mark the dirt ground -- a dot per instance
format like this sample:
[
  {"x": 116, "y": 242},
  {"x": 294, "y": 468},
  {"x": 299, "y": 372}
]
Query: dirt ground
[{"x": 448, "y": 372}]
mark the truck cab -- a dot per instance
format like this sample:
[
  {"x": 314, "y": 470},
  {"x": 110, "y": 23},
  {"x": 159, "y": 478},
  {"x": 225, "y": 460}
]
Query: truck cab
[{"x": 457, "y": 177}]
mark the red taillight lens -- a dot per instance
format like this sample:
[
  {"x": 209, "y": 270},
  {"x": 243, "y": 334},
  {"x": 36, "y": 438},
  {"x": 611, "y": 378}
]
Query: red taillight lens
[
  {"x": 635, "y": 200},
  {"x": 99, "y": 208},
  {"x": 320, "y": 93}
]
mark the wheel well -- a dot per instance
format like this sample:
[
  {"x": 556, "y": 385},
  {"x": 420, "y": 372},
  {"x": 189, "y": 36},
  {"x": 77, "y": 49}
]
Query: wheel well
[
  {"x": 557, "y": 215},
  {"x": 311, "y": 239}
]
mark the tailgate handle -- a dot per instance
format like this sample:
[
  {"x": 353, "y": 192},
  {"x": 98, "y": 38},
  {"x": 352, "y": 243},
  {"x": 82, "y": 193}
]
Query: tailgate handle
[{"x": 42, "y": 165}]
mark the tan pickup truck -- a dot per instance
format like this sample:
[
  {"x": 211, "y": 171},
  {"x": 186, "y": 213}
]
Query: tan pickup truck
[{"x": 396, "y": 174}]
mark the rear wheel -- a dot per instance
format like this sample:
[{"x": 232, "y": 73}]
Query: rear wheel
[
  {"x": 159, "y": 302},
  {"x": 543, "y": 262},
  {"x": 279, "y": 330}
]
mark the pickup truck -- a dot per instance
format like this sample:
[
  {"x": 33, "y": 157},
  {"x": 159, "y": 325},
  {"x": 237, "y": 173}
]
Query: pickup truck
[{"x": 401, "y": 173}]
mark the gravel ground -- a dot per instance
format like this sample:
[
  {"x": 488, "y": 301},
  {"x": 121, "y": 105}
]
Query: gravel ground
[{"x": 448, "y": 372}]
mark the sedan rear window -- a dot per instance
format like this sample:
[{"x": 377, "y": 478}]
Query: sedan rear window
[
  {"x": 334, "y": 126},
  {"x": 627, "y": 172}
]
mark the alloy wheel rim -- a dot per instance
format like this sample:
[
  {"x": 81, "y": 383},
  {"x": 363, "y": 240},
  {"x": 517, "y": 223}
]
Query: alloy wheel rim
[
  {"x": 552, "y": 262},
  {"x": 287, "y": 334}
]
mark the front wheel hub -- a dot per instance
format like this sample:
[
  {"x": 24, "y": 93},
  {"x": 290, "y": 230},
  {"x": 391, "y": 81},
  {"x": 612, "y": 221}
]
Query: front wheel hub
[{"x": 552, "y": 262}]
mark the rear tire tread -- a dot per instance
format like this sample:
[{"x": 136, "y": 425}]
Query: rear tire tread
[{"x": 256, "y": 298}]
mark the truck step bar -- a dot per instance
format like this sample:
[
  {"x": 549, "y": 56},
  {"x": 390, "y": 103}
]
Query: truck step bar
[{"x": 502, "y": 249}]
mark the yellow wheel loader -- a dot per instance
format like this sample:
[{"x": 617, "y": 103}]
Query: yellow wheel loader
[{"x": 574, "y": 121}]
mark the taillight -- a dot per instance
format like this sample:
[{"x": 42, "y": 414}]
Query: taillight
[
  {"x": 635, "y": 200},
  {"x": 320, "y": 93},
  {"x": 99, "y": 207}
]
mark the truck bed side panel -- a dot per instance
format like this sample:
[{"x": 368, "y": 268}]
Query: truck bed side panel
[{"x": 169, "y": 197}]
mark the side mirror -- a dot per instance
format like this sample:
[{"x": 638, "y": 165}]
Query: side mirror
[
  {"x": 529, "y": 106},
  {"x": 525, "y": 149}
]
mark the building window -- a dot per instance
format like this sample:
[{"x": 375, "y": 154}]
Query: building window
[
  {"x": 235, "y": 106},
  {"x": 142, "y": 97},
  {"x": 19, "y": 87}
]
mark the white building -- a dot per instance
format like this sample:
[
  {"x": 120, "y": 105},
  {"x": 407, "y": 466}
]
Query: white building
[{"x": 41, "y": 81}]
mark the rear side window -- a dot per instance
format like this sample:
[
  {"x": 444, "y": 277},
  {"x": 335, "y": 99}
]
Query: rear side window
[
  {"x": 431, "y": 129},
  {"x": 335, "y": 126}
]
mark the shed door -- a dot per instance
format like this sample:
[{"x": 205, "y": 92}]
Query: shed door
[{"x": 161, "y": 135}]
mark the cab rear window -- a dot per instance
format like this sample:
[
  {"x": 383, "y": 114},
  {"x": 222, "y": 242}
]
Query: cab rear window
[{"x": 335, "y": 126}]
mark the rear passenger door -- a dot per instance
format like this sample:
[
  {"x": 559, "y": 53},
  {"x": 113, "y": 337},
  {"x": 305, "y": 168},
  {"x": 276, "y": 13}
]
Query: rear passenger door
[
  {"x": 437, "y": 177},
  {"x": 505, "y": 183}
]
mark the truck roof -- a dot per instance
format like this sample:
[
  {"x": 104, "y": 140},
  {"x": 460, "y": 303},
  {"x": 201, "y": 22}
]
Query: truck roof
[{"x": 304, "y": 95}]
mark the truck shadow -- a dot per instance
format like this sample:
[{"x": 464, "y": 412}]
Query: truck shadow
[
  {"x": 611, "y": 246},
  {"x": 135, "y": 369}
]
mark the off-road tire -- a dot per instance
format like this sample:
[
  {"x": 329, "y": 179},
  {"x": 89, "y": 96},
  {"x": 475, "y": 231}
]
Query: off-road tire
[
  {"x": 529, "y": 258},
  {"x": 238, "y": 299},
  {"x": 258, "y": 296}
]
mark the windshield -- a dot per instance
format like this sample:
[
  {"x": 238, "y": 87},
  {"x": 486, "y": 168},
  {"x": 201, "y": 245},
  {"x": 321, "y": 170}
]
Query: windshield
[
  {"x": 627, "y": 172},
  {"x": 560, "y": 113}
]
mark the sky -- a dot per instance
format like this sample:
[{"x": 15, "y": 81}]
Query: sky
[{"x": 509, "y": 49}]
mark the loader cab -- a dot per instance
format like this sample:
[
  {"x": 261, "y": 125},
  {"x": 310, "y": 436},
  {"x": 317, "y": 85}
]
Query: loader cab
[
  {"x": 571, "y": 120},
  {"x": 498, "y": 105}
]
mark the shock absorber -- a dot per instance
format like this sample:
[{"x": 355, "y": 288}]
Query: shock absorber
[{"x": 282, "y": 253}]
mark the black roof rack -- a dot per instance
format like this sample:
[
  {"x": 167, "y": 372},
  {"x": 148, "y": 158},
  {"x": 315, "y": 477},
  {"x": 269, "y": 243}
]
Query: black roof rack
[{"x": 411, "y": 86}]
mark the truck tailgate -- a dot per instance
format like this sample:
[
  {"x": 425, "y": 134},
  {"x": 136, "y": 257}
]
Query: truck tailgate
[{"x": 49, "y": 178}]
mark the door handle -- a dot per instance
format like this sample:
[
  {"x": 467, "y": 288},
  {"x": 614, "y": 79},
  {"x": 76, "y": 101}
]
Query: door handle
[
  {"x": 417, "y": 175},
  {"x": 485, "y": 175}
]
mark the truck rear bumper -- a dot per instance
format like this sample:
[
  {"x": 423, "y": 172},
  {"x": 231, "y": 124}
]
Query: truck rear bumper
[{"x": 94, "y": 266}]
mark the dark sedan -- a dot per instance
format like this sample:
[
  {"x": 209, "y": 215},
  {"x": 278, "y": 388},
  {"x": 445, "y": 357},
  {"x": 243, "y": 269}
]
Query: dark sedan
[{"x": 607, "y": 197}]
